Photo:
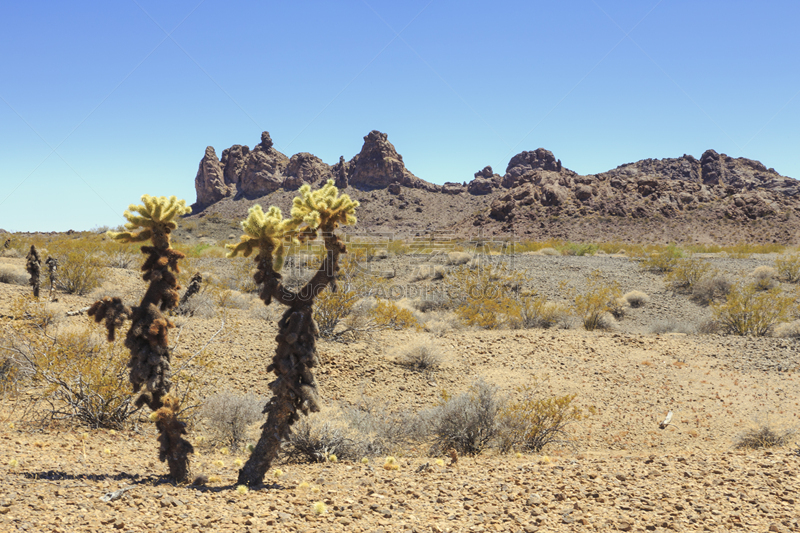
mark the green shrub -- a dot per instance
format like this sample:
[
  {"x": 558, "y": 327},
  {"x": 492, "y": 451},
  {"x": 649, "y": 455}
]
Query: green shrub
[
  {"x": 750, "y": 311},
  {"x": 388, "y": 315},
  {"x": 532, "y": 422},
  {"x": 764, "y": 277},
  {"x": 81, "y": 378},
  {"x": 788, "y": 268},
  {"x": 579, "y": 249},
  {"x": 484, "y": 296},
  {"x": 685, "y": 273},
  {"x": 535, "y": 311},
  {"x": 79, "y": 272},
  {"x": 662, "y": 261},
  {"x": 599, "y": 299}
]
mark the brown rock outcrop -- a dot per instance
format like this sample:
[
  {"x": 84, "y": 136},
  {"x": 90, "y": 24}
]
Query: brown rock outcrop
[
  {"x": 209, "y": 181},
  {"x": 233, "y": 161},
  {"x": 378, "y": 165},
  {"x": 522, "y": 164},
  {"x": 263, "y": 170},
  {"x": 305, "y": 168},
  {"x": 484, "y": 182}
]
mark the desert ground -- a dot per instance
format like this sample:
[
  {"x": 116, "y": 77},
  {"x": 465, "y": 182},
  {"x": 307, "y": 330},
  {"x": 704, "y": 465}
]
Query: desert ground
[{"x": 619, "y": 470}]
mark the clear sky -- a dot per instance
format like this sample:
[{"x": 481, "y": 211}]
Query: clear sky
[{"x": 101, "y": 102}]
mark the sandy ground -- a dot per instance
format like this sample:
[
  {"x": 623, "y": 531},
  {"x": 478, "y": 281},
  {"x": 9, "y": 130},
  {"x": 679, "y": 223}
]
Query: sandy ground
[{"x": 622, "y": 472}]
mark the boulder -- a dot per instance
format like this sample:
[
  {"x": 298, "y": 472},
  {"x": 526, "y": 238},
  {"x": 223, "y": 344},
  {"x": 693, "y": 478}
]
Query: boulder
[
  {"x": 525, "y": 162},
  {"x": 209, "y": 183},
  {"x": 453, "y": 188},
  {"x": 305, "y": 168}
]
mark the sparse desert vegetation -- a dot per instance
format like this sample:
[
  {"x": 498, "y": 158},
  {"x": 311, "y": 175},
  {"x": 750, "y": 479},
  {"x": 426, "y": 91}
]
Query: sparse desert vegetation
[{"x": 416, "y": 371}]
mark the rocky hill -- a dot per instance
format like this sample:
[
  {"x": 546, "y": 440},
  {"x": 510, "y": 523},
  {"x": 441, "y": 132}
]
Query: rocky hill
[{"x": 714, "y": 199}]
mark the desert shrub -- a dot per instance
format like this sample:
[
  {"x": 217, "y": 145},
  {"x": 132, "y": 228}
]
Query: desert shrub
[
  {"x": 670, "y": 325},
  {"x": 532, "y": 422},
  {"x": 316, "y": 437},
  {"x": 83, "y": 379},
  {"x": 535, "y": 311},
  {"x": 422, "y": 355},
  {"x": 686, "y": 272},
  {"x": 579, "y": 249},
  {"x": 787, "y": 330},
  {"x": 240, "y": 276},
  {"x": 764, "y": 437},
  {"x": 79, "y": 272},
  {"x": 441, "y": 322},
  {"x": 709, "y": 327},
  {"x": 380, "y": 430},
  {"x": 10, "y": 252},
  {"x": 331, "y": 308},
  {"x": 636, "y": 298},
  {"x": 13, "y": 274},
  {"x": 788, "y": 268},
  {"x": 750, "y": 311},
  {"x": 618, "y": 308},
  {"x": 458, "y": 258},
  {"x": 661, "y": 261},
  {"x": 200, "y": 305},
  {"x": 388, "y": 315},
  {"x": 764, "y": 277},
  {"x": 230, "y": 299},
  {"x": 607, "y": 321},
  {"x": 548, "y": 251},
  {"x": 423, "y": 272},
  {"x": 228, "y": 416},
  {"x": 711, "y": 289},
  {"x": 467, "y": 423},
  {"x": 484, "y": 296},
  {"x": 599, "y": 299},
  {"x": 124, "y": 260}
]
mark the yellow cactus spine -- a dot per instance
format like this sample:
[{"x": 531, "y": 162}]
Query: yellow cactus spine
[{"x": 155, "y": 220}]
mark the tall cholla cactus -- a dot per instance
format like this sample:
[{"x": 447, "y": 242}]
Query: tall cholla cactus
[
  {"x": 147, "y": 337},
  {"x": 295, "y": 389}
]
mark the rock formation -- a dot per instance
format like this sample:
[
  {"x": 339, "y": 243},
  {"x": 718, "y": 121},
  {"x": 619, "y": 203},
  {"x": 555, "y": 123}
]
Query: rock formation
[
  {"x": 484, "y": 182},
  {"x": 378, "y": 165},
  {"x": 263, "y": 170},
  {"x": 210, "y": 182},
  {"x": 305, "y": 168},
  {"x": 535, "y": 190},
  {"x": 723, "y": 188},
  {"x": 233, "y": 161}
]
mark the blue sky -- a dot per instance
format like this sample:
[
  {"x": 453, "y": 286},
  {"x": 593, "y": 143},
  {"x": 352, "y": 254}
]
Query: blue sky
[{"x": 101, "y": 102}]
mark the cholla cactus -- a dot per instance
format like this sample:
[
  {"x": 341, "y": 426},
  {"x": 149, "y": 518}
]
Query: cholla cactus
[
  {"x": 34, "y": 266},
  {"x": 147, "y": 338},
  {"x": 295, "y": 388}
]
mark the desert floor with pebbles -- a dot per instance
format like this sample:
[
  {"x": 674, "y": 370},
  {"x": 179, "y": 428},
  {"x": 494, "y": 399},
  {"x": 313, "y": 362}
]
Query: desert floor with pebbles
[{"x": 620, "y": 472}]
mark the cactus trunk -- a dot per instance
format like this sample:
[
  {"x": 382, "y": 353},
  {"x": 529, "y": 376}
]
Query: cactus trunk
[{"x": 295, "y": 387}]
